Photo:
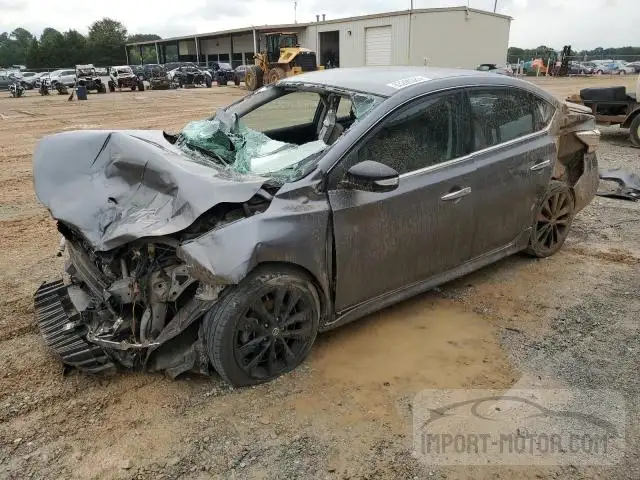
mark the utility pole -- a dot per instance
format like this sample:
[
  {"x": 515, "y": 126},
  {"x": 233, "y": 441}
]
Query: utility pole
[
  {"x": 495, "y": 6},
  {"x": 410, "y": 24},
  {"x": 295, "y": 11}
]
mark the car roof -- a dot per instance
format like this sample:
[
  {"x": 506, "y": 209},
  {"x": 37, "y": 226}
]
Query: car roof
[{"x": 388, "y": 81}]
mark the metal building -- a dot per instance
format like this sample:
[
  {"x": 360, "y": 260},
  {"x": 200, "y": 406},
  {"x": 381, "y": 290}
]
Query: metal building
[{"x": 447, "y": 37}]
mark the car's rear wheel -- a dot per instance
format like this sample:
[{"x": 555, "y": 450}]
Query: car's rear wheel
[
  {"x": 554, "y": 216},
  {"x": 634, "y": 131},
  {"x": 263, "y": 327}
]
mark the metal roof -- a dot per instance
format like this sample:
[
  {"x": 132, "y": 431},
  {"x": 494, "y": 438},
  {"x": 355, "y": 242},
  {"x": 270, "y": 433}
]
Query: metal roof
[
  {"x": 382, "y": 81},
  {"x": 262, "y": 28}
]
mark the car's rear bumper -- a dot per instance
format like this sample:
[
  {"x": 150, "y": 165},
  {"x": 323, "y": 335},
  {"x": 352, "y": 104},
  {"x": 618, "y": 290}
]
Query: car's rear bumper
[
  {"x": 58, "y": 321},
  {"x": 587, "y": 185}
]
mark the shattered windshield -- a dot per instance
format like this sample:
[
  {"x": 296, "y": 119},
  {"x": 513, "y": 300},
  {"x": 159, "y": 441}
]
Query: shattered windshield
[{"x": 282, "y": 138}]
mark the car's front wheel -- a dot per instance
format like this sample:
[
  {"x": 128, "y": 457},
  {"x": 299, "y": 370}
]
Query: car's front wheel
[
  {"x": 551, "y": 225},
  {"x": 263, "y": 327}
]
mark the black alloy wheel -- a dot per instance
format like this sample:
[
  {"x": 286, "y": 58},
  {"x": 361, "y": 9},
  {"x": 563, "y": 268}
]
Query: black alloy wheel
[
  {"x": 274, "y": 332},
  {"x": 553, "y": 221},
  {"x": 263, "y": 328}
]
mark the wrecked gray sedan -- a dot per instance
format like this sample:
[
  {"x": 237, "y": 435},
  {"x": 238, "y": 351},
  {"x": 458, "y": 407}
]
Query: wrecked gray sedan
[{"x": 299, "y": 208}]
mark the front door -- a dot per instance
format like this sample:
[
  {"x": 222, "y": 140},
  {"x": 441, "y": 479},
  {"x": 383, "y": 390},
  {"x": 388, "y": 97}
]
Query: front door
[{"x": 388, "y": 241}]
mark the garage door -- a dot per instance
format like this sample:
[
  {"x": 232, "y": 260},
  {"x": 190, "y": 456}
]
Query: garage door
[{"x": 378, "y": 46}]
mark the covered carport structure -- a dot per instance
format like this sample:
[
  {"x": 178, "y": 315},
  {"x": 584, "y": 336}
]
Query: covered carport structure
[{"x": 236, "y": 47}]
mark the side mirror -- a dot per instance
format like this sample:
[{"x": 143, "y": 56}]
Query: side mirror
[{"x": 371, "y": 176}]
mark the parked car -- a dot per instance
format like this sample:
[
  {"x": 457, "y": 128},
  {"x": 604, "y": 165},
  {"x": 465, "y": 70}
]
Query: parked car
[
  {"x": 143, "y": 72},
  {"x": 122, "y": 76},
  {"x": 604, "y": 67},
  {"x": 635, "y": 66},
  {"x": 493, "y": 68},
  {"x": 87, "y": 77},
  {"x": 65, "y": 77},
  {"x": 240, "y": 74},
  {"x": 158, "y": 78},
  {"x": 27, "y": 79},
  {"x": 233, "y": 243},
  {"x": 221, "y": 72},
  {"x": 622, "y": 68},
  {"x": 190, "y": 76},
  {"x": 6, "y": 80},
  {"x": 578, "y": 68}
]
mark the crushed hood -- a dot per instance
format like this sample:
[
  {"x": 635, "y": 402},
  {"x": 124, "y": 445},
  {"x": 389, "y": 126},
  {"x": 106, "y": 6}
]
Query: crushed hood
[{"x": 114, "y": 187}]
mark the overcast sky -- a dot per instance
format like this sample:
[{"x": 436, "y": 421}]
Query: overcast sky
[{"x": 585, "y": 24}]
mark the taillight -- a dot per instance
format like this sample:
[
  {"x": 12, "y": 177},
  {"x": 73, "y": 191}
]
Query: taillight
[{"x": 591, "y": 138}]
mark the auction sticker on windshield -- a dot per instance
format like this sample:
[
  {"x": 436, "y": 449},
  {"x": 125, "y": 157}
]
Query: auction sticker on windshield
[{"x": 407, "y": 82}]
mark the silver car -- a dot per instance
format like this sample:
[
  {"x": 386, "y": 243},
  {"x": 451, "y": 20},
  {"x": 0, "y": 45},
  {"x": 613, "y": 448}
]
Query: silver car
[{"x": 309, "y": 204}]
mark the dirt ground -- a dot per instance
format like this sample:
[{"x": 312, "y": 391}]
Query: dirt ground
[{"x": 346, "y": 413}]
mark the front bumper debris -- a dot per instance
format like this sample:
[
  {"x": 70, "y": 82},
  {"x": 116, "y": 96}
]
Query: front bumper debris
[{"x": 58, "y": 320}]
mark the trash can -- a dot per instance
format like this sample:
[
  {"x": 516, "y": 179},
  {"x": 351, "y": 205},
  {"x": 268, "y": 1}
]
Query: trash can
[{"x": 81, "y": 92}]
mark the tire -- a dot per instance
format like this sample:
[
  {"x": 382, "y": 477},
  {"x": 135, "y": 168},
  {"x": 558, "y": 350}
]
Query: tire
[
  {"x": 622, "y": 72},
  {"x": 208, "y": 81},
  {"x": 102, "y": 88},
  {"x": 236, "y": 81},
  {"x": 112, "y": 87},
  {"x": 276, "y": 74},
  {"x": 276, "y": 346},
  {"x": 254, "y": 78},
  {"x": 553, "y": 220},
  {"x": 634, "y": 131},
  {"x": 133, "y": 87},
  {"x": 141, "y": 85}
]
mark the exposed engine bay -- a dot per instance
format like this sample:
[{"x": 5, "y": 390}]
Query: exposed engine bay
[{"x": 119, "y": 307}]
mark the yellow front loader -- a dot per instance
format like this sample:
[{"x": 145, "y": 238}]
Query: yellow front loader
[{"x": 283, "y": 58}]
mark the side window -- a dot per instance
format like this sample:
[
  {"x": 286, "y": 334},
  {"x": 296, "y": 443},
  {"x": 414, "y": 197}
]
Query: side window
[
  {"x": 503, "y": 114},
  {"x": 293, "y": 109},
  {"x": 428, "y": 132},
  {"x": 543, "y": 113}
]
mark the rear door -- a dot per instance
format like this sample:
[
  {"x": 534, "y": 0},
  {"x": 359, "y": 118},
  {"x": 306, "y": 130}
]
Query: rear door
[
  {"x": 388, "y": 241},
  {"x": 514, "y": 156}
]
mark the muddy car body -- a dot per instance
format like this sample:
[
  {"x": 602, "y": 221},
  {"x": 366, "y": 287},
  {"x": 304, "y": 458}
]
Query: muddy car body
[{"x": 304, "y": 206}]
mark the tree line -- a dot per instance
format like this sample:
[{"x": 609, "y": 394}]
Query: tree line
[
  {"x": 104, "y": 45},
  {"x": 544, "y": 52}
]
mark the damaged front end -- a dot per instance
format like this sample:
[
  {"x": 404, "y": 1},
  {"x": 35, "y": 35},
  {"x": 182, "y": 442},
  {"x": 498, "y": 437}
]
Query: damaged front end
[
  {"x": 124, "y": 203},
  {"x": 120, "y": 308}
]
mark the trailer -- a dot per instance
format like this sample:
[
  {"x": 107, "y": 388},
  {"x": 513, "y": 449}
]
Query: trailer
[{"x": 614, "y": 106}]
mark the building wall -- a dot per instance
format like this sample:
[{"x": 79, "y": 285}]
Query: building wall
[
  {"x": 448, "y": 38},
  {"x": 457, "y": 39},
  {"x": 352, "y": 45}
]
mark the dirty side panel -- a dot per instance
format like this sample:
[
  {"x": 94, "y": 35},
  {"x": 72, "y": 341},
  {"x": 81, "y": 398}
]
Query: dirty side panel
[{"x": 293, "y": 230}]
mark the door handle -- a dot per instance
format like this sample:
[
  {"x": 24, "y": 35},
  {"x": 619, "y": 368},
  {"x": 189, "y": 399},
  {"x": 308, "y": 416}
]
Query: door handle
[
  {"x": 540, "y": 166},
  {"x": 463, "y": 192}
]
